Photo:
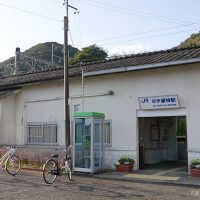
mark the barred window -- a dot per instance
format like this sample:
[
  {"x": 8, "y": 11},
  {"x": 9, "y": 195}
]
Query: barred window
[
  {"x": 107, "y": 133},
  {"x": 42, "y": 133}
]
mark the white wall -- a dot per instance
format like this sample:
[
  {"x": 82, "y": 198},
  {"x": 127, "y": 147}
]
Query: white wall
[
  {"x": 41, "y": 103},
  {"x": 8, "y": 120},
  {"x": 121, "y": 107}
]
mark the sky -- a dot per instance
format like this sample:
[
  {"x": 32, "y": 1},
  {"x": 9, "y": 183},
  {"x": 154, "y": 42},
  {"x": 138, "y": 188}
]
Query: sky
[{"x": 120, "y": 27}]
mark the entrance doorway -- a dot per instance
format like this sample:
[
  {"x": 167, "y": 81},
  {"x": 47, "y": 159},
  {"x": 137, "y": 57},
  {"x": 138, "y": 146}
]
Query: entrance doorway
[{"x": 162, "y": 142}]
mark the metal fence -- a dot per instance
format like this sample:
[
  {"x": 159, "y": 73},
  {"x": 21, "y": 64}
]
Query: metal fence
[{"x": 34, "y": 154}]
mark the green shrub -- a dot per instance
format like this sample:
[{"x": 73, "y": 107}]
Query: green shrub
[
  {"x": 195, "y": 163},
  {"x": 126, "y": 159}
]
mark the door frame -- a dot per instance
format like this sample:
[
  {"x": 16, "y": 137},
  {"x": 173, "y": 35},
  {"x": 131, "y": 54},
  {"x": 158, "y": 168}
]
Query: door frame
[{"x": 157, "y": 113}]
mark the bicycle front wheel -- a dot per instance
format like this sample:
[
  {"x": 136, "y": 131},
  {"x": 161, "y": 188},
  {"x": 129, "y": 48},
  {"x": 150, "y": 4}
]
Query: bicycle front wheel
[
  {"x": 13, "y": 165},
  {"x": 69, "y": 169},
  {"x": 50, "y": 171}
]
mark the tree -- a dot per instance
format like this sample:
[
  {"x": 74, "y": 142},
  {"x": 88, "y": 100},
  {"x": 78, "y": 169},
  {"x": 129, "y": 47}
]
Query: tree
[
  {"x": 89, "y": 54},
  {"x": 43, "y": 51},
  {"x": 193, "y": 40},
  {"x": 40, "y": 51}
]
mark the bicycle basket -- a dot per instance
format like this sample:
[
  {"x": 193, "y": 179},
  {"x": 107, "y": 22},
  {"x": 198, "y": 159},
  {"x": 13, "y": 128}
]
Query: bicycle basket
[{"x": 12, "y": 151}]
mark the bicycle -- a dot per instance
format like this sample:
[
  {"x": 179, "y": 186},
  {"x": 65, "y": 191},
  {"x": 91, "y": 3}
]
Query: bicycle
[
  {"x": 52, "y": 168},
  {"x": 11, "y": 160}
]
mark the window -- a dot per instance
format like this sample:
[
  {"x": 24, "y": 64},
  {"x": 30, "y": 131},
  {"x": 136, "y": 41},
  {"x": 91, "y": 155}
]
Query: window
[
  {"x": 42, "y": 133},
  {"x": 107, "y": 132},
  {"x": 181, "y": 129}
]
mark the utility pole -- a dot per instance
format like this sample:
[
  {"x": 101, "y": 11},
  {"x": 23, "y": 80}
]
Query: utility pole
[
  {"x": 82, "y": 86},
  {"x": 66, "y": 76},
  {"x": 52, "y": 53},
  {"x": 17, "y": 60}
]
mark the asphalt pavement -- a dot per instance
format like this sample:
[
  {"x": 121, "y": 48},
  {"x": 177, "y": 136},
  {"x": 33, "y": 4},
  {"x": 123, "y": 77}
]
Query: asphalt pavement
[{"x": 30, "y": 186}]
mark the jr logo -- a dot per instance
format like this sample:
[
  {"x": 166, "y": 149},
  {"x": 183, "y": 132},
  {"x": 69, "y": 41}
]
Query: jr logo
[{"x": 145, "y": 100}]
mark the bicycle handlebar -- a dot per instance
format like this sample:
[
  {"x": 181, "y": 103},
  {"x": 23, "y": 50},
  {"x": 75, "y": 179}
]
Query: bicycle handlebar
[
  {"x": 66, "y": 150},
  {"x": 7, "y": 147}
]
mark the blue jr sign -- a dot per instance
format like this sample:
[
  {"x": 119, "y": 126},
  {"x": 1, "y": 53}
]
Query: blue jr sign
[{"x": 159, "y": 102}]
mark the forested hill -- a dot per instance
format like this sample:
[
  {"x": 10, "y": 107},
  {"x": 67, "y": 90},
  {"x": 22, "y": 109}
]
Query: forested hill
[
  {"x": 44, "y": 51},
  {"x": 193, "y": 40}
]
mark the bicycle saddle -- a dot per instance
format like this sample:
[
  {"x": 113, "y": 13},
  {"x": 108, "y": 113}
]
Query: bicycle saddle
[{"x": 55, "y": 155}]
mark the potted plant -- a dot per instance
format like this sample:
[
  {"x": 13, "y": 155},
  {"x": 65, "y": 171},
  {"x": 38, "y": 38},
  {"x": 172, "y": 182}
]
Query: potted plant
[
  {"x": 125, "y": 164},
  {"x": 195, "y": 168}
]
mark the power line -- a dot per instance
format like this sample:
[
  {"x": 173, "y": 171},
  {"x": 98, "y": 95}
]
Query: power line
[
  {"x": 79, "y": 29},
  {"x": 58, "y": 57},
  {"x": 131, "y": 11},
  {"x": 71, "y": 38},
  {"x": 153, "y": 36},
  {"x": 139, "y": 33},
  {"x": 29, "y": 12},
  {"x": 134, "y": 12}
]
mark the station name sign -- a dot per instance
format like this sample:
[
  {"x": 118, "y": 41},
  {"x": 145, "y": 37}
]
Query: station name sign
[{"x": 159, "y": 102}]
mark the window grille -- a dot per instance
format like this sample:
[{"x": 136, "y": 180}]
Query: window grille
[{"x": 42, "y": 133}]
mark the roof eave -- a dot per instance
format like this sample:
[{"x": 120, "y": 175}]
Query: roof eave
[{"x": 142, "y": 67}]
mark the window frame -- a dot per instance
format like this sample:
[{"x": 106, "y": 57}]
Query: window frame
[
  {"x": 105, "y": 135},
  {"x": 42, "y": 126}
]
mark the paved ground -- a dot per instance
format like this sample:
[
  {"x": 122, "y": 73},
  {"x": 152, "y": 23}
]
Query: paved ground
[
  {"x": 29, "y": 186},
  {"x": 169, "y": 172}
]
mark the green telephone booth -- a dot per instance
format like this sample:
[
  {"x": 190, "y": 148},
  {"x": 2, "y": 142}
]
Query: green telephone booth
[{"x": 88, "y": 141}]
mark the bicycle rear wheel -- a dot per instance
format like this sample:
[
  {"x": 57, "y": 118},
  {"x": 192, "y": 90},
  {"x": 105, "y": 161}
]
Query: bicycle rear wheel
[
  {"x": 13, "y": 165},
  {"x": 50, "y": 171}
]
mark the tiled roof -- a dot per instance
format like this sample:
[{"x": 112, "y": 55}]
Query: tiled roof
[
  {"x": 5, "y": 93},
  {"x": 150, "y": 58}
]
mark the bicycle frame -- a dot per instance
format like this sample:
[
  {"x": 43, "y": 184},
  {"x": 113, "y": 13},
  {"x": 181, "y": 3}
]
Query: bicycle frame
[
  {"x": 10, "y": 152},
  {"x": 54, "y": 167},
  {"x": 4, "y": 157},
  {"x": 11, "y": 161},
  {"x": 61, "y": 164}
]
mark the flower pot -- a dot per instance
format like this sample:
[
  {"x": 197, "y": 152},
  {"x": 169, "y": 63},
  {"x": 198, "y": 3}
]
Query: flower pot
[
  {"x": 195, "y": 172},
  {"x": 124, "y": 167}
]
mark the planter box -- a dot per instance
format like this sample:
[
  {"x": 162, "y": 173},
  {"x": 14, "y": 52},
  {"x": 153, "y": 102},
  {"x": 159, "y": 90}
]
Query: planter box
[
  {"x": 195, "y": 172},
  {"x": 124, "y": 168}
]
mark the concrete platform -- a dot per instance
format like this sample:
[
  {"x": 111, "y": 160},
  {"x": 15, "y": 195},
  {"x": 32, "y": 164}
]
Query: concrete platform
[{"x": 178, "y": 176}]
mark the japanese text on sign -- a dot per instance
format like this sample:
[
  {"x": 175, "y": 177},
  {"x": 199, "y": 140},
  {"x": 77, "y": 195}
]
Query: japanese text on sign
[{"x": 159, "y": 102}]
